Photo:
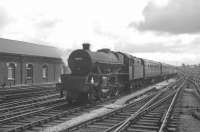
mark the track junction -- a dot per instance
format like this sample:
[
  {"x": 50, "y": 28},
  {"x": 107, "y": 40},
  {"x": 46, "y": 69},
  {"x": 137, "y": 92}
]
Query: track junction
[{"x": 152, "y": 109}]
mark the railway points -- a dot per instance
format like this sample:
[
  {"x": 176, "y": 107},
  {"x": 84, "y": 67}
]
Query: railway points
[
  {"x": 41, "y": 116},
  {"x": 106, "y": 109},
  {"x": 57, "y": 109}
]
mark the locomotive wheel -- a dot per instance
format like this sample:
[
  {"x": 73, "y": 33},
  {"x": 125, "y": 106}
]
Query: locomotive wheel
[
  {"x": 92, "y": 95},
  {"x": 91, "y": 98},
  {"x": 65, "y": 94},
  {"x": 67, "y": 97},
  {"x": 83, "y": 98},
  {"x": 69, "y": 101},
  {"x": 115, "y": 92}
]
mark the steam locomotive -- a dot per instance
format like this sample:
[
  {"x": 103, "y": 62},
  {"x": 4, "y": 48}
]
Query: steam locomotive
[{"x": 105, "y": 73}]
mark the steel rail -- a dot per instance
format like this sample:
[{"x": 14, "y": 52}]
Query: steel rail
[
  {"x": 29, "y": 108},
  {"x": 137, "y": 115},
  {"x": 112, "y": 113},
  {"x": 169, "y": 111},
  {"x": 28, "y": 105},
  {"x": 29, "y": 100},
  {"x": 48, "y": 117},
  {"x": 32, "y": 113},
  {"x": 97, "y": 122}
]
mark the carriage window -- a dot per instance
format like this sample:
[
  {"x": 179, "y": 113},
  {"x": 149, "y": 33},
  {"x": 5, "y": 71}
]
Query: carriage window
[
  {"x": 29, "y": 71},
  {"x": 11, "y": 71},
  {"x": 44, "y": 71}
]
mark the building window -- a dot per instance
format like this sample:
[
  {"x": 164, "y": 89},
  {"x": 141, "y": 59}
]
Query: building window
[
  {"x": 44, "y": 71},
  {"x": 11, "y": 71},
  {"x": 29, "y": 71}
]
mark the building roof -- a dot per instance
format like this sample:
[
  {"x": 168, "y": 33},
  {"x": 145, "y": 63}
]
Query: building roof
[{"x": 30, "y": 49}]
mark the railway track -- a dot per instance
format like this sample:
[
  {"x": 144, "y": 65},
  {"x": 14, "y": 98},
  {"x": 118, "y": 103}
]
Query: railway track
[
  {"x": 11, "y": 94},
  {"x": 12, "y": 121},
  {"x": 22, "y": 102},
  {"x": 36, "y": 116},
  {"x": 115, "y": 119},
  {"x": 32, "y": 118},
  {"x": 158, "y": 117},
  {"x": 7, "y": 112},
  {"x": 190, "y": 108}
]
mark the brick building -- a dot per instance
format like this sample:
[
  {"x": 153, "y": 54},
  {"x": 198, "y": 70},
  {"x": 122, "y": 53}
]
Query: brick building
[{"x": 25, "y": 63}]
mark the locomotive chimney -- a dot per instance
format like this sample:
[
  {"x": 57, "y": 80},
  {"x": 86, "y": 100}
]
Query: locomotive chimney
[{"x": 86, "y": 46}]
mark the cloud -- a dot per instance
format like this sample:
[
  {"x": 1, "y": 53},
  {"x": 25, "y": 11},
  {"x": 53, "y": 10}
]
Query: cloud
[
  {"x": 177, "y": 17},
  {"x": 177, "y": 50},
  {"x": 177, "y": 46},
  {"x": 147, "y": 48},
  {"x": 47, "y": 23},
  {"x": 4, "y": 19},
  {"x": 104, "y": 24},
  {"x": 171, "y": 58}
]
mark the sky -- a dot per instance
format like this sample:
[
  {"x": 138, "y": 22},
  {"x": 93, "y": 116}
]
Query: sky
[{"x": 162, "y": 30}]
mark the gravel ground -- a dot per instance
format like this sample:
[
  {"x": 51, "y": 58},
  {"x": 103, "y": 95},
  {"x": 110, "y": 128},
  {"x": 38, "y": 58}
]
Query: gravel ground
[{"x": 189, "y": 123}]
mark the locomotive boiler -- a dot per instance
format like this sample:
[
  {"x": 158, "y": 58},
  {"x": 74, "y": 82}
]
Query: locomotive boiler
[{"x": 94, "y": 75}]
